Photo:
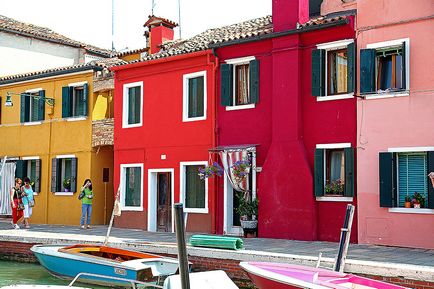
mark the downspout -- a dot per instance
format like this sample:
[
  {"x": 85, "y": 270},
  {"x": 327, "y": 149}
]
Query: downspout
[{"x": 214, "y": 133}]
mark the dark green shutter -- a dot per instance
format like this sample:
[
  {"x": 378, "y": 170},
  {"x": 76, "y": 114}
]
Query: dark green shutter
[
  {"x": 38, "y": 176},
  {"x": 351, "y": 62},
  {"x": 54, "y": 176},
  {"x": 85, "y": 99},
  {"x": 367, "y": 70},
  {"x": 430, "y": 168},
  {"x": 20, "y": 169},
  {"x": 319, "y": 173},
  {"x": 318, "y": 72},
  {"x": 41, "y": 105},
  {"x": 66, "y": 102},
  {"x": 349, "y": 172},
  {"x": 254, "y": 81},
  {"x": 226, "y": 84},
  {"x": 404, "y": 76},
  {"x": 73, "y": 175},
  {"x": 25, "y": 108},
  {"x": 387, "y": 176}
]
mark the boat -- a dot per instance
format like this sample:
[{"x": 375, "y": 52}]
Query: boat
[
  {"x": 287, "y": 276},
  {"x": 66, "y": 262}
]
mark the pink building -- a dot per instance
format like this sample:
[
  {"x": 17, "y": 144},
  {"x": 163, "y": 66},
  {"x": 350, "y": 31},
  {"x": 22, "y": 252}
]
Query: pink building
[{"x": 395, "y": 139}]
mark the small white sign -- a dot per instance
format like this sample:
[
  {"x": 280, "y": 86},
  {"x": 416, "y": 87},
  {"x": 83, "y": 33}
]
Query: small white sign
[
  {"x": 258, "y": 169},
  {"x": 163, "y": 157}
]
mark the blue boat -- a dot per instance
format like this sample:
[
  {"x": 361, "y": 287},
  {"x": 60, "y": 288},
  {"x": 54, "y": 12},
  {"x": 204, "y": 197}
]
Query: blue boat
[{"x": 66, "y": 262}]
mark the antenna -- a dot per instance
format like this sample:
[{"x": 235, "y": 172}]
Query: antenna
[
  {"x": 153, "y": 6},
  {"x": 179, "y": 17},
  {"x": 113, "y": 25}
]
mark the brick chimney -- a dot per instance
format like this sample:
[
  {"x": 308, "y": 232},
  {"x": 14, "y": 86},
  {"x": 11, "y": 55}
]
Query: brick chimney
[
  {"x": 160, "y": 31},
  {"x": 287, "y": 13}
]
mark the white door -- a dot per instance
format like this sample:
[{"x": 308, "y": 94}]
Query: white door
[{"x": 231, "y": 225}]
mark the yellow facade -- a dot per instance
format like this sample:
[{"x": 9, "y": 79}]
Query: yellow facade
[{"x": 57, "y": 136}]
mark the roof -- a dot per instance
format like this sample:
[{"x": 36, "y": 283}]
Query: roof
[
  {"x": 132, "y": 51},
  {"x": 93, "y": 65},
  {"x": 157, "y": 21},
  {"x": 322, "y": 20},
  {"x": 10, "y": 25}
]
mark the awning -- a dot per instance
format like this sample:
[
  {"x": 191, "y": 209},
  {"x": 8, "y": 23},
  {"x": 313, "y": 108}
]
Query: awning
[{"x": 235, "y": 148}]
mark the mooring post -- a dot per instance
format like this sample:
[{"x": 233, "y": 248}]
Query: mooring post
[{"x": 182, "y": 247}]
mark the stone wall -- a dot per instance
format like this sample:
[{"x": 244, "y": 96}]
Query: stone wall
[{"x": 102, "y": 132}]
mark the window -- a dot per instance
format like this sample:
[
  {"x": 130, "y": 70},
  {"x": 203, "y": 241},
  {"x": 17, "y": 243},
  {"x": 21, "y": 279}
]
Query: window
[
  {"x": 194, "y": 191},
  {"x": 240, "y": 83},
  {"x": 333, "y": 70},
  {"x": 132, "y": 105},
  {"x": 132, "y": 187},
  {"x": 383, "y": 67},
  {"x": 333, "y": 172},
  {"x": 75, "y": 100},
  {"x": 194, "y": 107},
  {"x": 30, "y": 167},
  {"x": 64, "y": 174},
  {"x": 404, "y": 173},
  {"x": 32, "y": 109}
]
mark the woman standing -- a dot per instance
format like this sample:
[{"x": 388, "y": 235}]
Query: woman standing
[
  {"x": 15, "y": 194},
  {"x": 86, "y": 204},
  {"x": 28, "y": 201}
]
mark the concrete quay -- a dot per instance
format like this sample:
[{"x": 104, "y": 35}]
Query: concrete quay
[{"x": 413, "y": 268}]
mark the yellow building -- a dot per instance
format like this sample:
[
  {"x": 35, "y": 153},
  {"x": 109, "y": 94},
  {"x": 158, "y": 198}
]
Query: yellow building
[{"x": 59, "y": 132}]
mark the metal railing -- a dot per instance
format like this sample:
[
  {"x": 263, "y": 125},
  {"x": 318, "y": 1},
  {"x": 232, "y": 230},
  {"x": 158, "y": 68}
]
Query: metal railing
[{"x": 133, "y": 282}]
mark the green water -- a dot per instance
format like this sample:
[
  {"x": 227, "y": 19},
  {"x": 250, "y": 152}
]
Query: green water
[{"x": 25, "y": 273}]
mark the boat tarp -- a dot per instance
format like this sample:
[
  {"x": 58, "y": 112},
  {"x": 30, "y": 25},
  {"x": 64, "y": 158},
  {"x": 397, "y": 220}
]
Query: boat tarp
[
  {"x": 221, "y": 242},
  {"x": 209, "y": 280}
]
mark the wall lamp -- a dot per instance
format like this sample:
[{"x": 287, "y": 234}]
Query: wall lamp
[{"x": 49, "y": 101}]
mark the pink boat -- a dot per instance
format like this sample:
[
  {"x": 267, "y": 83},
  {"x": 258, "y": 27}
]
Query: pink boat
[{"x": 285, "y": 276}]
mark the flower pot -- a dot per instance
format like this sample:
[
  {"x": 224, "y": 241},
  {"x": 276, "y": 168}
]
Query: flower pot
[
  {"x": 66, "y": 190},
  {"x": 417, "y": 206},
  {"x": 407, "y": 205},
  {"x": 252, "y": 224}
]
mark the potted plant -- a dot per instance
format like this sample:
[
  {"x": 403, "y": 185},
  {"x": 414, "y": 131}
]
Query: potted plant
[
  {"x": 418, "y": 200},
  {"x": 248, "y": 211},
  {"x": 407, "y": 203},
  {"x": 335, "y": 187},
  {"x": 67, "y": 185},
  {"x": 211, "y": 170},
  {"x": 240, "y": 170}
]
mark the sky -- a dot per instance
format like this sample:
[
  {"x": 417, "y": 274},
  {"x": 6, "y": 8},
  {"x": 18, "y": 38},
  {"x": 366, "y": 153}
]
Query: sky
[{"x": 90, "y": 21}]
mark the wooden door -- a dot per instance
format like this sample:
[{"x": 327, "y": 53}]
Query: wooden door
[{"x": 164, "y": 203}]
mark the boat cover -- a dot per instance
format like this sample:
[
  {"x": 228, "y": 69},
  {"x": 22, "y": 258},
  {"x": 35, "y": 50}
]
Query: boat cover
[
  {"x": 209, "y": 280},
  {"x": 221, "y": 242}
]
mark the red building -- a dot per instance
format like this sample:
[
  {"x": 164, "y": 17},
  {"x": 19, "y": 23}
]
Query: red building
[{"x": 287, "y": 100}]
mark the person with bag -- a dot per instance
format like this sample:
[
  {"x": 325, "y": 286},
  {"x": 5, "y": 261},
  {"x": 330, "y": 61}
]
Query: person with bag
[
  {"x": 16, "y": 204},
  {"x": 28, "y": 201},
  {"x": 86, "y": 197}
]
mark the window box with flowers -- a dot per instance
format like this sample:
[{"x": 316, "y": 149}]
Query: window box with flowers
[{"x": 211, "y": 170}]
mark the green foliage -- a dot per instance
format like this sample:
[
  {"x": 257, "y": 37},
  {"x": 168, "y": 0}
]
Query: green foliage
[{"x": 246, "y": 207}]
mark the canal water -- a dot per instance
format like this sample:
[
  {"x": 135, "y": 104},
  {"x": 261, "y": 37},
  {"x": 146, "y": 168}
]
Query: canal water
[{"x": 26, "y": 273}]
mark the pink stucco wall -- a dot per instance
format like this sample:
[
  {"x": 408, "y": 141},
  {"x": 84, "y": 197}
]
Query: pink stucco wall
[{"x": 405, "y": 121}]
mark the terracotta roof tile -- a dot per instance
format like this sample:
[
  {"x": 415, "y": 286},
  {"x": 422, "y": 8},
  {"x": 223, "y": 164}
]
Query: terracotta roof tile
[{"x": 322, "y": 20}]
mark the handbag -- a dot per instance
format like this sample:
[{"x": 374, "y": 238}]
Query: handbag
[
  {"x": 81, "y": 195},
  {"x": 20, "y": 206},
  {"x": 30, "y": 202}
]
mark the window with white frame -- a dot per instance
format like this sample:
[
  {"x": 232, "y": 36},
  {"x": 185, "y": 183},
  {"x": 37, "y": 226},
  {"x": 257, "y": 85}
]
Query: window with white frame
[
  {"x": 333, "y": 68},
  {"x": 384, "y": 67},
  {"x": 404, "y": 180},
  {"x": 132, "y": 105},
  {"x": 132, "y": 187},
  {"x": 333, "y": 170},
  {"x": 240, "y": 83},
  {"x": 64, "y": 174},
  {"x": 75, "y": 100},
  {"x": 194, "y": 190},
  {"x": 32, "y": 106},
  {"x": 194, "y": 96}
]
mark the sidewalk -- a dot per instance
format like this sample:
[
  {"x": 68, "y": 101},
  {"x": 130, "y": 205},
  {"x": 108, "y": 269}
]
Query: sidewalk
[{"x": 409, "y": 263}]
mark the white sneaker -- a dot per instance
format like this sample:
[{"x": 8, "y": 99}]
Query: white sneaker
[{"x": 16, "y": 227}]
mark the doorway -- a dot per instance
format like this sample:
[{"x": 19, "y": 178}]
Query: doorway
[{"x": 160, "y": 200}]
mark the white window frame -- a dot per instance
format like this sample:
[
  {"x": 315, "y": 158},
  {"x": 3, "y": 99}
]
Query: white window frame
[
  {"x": 186, "y": 79},
  {"x": 386, "y": 44},
  {"x": 125, "y": 104},
  {"x": 182, "y": 181},
  {"x": 123, "y": 168},
  {"x": 330, "y": 46},
  {"x": 235, "y": 62},
  {"x": 32, "y": 91},
  {"x": 328, "y": 147},
  {"x": 32, "y": 158},
  {"x": 66, "y": 193}
]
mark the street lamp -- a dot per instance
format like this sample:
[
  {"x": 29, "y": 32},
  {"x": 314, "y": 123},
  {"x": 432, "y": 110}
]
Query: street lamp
[{"x": 8, "y": 102}]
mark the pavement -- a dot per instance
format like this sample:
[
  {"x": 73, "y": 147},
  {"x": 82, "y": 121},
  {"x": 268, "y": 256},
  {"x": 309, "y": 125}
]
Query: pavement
[{"x": 365, "y": 259}]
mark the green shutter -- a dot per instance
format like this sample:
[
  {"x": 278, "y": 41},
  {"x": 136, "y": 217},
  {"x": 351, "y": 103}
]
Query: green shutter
[
  {"x": 254, "y": 81},
  {"x": 20, "y": 169},
  {"x": 351, "y": 62},
  {"x": 73, "y": 175},
  {"x": 367, "y": 70},
  {"x": 66, "y": 102},
  {"x": 38, "y": 176},
  {"x": 349, "y": 172},
  {"x": 404, "y": 76},
  {"x": 85, "y": 99},
  {"x": 41, "y": 105},
  {"x": 387, "y": 176},
  {"x": 54, "y": 175},
  {"x": 318, "y": 72},
  {"x": 412, "y": 176},
  {"x": 319, "y": 173},
  {"x": 430, "y": 168},
  {"x": 25, "y": 108},
  {"x": 226, "y": 84}
]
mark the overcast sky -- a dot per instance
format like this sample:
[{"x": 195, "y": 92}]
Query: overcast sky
[{"x": 89, "y": 21}]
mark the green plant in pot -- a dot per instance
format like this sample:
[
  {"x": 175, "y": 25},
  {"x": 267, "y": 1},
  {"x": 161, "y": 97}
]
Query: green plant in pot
[
  {"x": 67, "y": 184},
  {"x": 248, "y": 211}
]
